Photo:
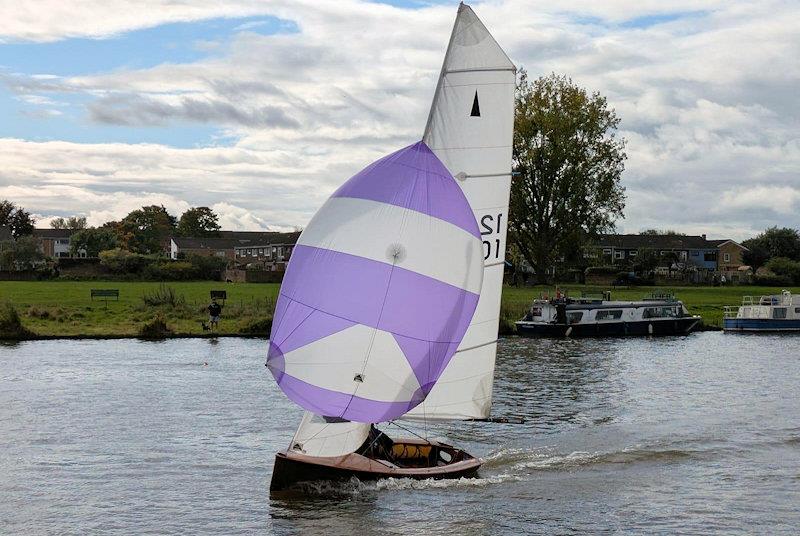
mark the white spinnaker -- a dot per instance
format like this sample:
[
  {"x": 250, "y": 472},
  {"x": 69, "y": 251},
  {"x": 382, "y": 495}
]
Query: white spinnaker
[
  {"x": 470, "y": 128},
  {"x": 315, "y": 437}
]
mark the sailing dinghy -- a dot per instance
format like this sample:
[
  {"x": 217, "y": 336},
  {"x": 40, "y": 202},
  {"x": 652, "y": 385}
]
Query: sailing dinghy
[{"x": 390, "y": 303}]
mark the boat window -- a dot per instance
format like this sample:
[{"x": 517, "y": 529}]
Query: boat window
[
  {"x": 779, "y": 312},
  {"x": 536, "y": 311},
  {"x": 575, "y": 317},
  {"x": 615, "y": 314},
  {"x": 445, "y": 456},
  {"x": 797, "y": 310},
  {"x": 661, "y": 312}
]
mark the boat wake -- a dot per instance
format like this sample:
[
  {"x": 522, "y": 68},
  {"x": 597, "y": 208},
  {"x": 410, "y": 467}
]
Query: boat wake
[{"x": 520, "y": 461}]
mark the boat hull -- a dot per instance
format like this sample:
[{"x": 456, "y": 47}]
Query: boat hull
[
  {"x": 672, "y": 326},
  {"x": 760, "y": 325},
  {"x": 293, "y": 468}
]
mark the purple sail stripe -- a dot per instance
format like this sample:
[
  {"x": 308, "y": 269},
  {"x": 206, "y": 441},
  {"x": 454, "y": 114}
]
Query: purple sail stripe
[
  {"x": 427, "y": 359},
  {"x": 302, "y": 329},
  {"x": 416, "y": 179},
  {"x": 378, "y": 295},
  {"x": 335, "y": 404}
]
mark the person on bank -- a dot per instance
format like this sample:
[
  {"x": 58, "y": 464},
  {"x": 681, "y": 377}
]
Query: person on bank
[{"x": 214, "y": 312}]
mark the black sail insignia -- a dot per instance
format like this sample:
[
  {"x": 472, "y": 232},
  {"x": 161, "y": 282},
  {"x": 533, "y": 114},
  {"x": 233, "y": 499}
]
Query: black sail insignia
[{"x": 476, "y": 108}]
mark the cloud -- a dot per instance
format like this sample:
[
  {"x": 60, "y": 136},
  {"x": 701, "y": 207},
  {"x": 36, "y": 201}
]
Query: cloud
[
  {"x": 135, "y": 110},
  {"x": 707, "y": 101}
]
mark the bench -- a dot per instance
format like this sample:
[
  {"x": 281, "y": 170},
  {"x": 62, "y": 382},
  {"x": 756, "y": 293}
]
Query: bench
[
  {"x": 219, "y": 295},
  {"x": 105, "y": 293}
]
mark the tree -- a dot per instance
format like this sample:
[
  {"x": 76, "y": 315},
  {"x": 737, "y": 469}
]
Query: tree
[
  {"x": 73, "y": 222},
  {"x": 145, "y": 230},
  {"x": 93, "y": 241},
  {"x": 773, "y": 242},
  {"x": 661, "y": 232},
  {"x": 199, "y": 221},
  {"x": 569, "y": 162},
  {"x": 23, "y": 253},
  {"x": 15, "y": 218}
]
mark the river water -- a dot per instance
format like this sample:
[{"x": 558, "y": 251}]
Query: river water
[{"x": 696, "y": 434}]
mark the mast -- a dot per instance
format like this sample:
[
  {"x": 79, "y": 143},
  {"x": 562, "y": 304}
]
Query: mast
[{"x": 470, "y": 129}]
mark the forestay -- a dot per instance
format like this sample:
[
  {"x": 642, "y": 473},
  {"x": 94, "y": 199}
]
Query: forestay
[
  {"x": 470, "y": 129},
  {"x": 379, "y": 291}
]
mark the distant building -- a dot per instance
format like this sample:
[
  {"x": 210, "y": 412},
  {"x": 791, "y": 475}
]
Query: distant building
[
  {"x": 713, "y": 255},
  {"x": 181, "y": 246},
  {"x": 56, "y": 242},
  {"x": 270, "y": 250},
  {"x": 272, "y": 256}
]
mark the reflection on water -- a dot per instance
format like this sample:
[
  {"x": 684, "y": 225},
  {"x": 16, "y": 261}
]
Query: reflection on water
[{"x": 685, "y": 434}]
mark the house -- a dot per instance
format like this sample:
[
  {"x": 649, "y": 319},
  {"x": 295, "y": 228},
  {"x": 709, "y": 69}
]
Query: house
[
  {"x": 270, "y": 249},
  {"x": 181, "y": 246},
  {"x": 272, "y": 256},
  {"x": 711, "y": 255},
  {"x": 56, "y": 242}
]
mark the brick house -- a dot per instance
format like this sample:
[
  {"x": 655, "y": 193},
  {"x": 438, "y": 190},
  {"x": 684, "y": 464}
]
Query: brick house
[
  {"x": 712, "y": 255},
  {"x": 55, "y": 243}
]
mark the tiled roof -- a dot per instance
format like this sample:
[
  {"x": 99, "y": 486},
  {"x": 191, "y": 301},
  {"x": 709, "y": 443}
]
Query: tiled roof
[
  {"x": 54, "y": 233},
  {"x": 636, "y": 241},
  {"x": 233, "y": 239}
]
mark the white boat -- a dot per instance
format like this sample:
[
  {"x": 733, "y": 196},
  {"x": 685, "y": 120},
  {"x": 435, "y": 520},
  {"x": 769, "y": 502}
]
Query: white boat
[
  {"x": 777, "y": 312},
  {"x": 600, "y": 317},
  {"x": 390, "y": 305}
]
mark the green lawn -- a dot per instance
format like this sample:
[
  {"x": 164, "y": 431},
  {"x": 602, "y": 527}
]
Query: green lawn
[{"x": 64, "y": 308}]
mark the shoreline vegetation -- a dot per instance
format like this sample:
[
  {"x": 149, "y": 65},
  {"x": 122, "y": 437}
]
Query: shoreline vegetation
[{"x": 31, "y": 310}]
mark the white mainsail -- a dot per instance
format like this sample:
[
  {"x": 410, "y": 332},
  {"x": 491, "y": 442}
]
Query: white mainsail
[{"x": 470, "y": 128}]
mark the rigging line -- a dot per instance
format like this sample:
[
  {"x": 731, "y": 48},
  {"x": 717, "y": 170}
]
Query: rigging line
[
  {"x": 477, "y": 346},
  {"x": 493, "y": 264},
  {"x": 425, "y": 439}
]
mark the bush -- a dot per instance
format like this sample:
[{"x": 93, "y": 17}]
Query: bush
[
  {"x": 785, "y": 268},
  {"x": 155, "y": 329},
  {"x": 164, "y": 296},
  {"x": 602, "y": 270},
  {"x": 125, "y": 262},
  {"x": 10, "y": 324},
  {"x": 169, "y": 271}
]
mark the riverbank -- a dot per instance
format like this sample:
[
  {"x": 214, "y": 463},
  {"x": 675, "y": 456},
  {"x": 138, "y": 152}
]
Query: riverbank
[{"x": 64, "y": 309}]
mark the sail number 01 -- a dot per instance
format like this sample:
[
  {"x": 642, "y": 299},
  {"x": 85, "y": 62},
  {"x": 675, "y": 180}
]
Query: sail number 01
[{"x": 491, "y": 224}]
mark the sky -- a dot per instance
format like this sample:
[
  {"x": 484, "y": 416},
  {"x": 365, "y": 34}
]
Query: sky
[{"x": 260, "y": 108}]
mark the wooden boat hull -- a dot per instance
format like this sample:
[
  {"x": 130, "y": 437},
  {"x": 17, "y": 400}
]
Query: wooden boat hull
[
  {"x": 293, "y": 468},
  {"x": 672, "y": 326}
]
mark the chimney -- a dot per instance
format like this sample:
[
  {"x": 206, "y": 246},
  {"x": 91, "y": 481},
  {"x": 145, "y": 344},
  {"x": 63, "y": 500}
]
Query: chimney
[{"x": 704, "y": 236}]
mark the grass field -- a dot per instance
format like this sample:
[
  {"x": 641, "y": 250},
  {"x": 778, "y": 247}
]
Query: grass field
[{"x": 64, "y": 308}]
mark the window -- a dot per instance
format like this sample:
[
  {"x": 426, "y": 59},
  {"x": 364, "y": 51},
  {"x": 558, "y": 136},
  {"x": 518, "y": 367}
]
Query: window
[
  {"x": 726, "y": 257},
  {"x": 250, "y": 252},
  {"x": 260, "y": 251},
  {"x": 614, "y": 314},
  {"x": 797, "y": 310},
  {"x": 619, "y": 254},
  {"x": 661, "y": 312},
  {"x": 682, "y": 255},
  {"x": 695, "y": 253},
  {"x": 779, "y": 313},
  {"x": 710, "y": 256},
  {"x": 575, "y": 317},
  {"x": 633, "y": 253},
  {"x": 606, "y": 251}
]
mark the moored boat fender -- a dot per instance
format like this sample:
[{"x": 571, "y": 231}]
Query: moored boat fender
[
  {"x": 569, "y": 332},
  {"x": 650, "y": 328}
]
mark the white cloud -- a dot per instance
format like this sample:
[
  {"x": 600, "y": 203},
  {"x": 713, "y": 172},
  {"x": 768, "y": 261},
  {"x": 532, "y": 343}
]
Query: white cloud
[{"x": 707, "y": 102}]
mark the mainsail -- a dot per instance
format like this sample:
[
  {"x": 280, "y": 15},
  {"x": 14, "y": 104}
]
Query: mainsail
[
  {"x": 379, "y": 291},
  {"x": 470, "y": 129}
]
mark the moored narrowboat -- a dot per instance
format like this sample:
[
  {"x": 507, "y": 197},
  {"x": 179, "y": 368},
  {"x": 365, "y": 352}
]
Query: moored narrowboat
[{"x": 598, "y": 317}]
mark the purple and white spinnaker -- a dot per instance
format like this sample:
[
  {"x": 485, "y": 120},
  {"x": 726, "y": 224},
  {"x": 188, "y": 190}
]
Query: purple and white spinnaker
[{"x": 380, "y": 290}]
